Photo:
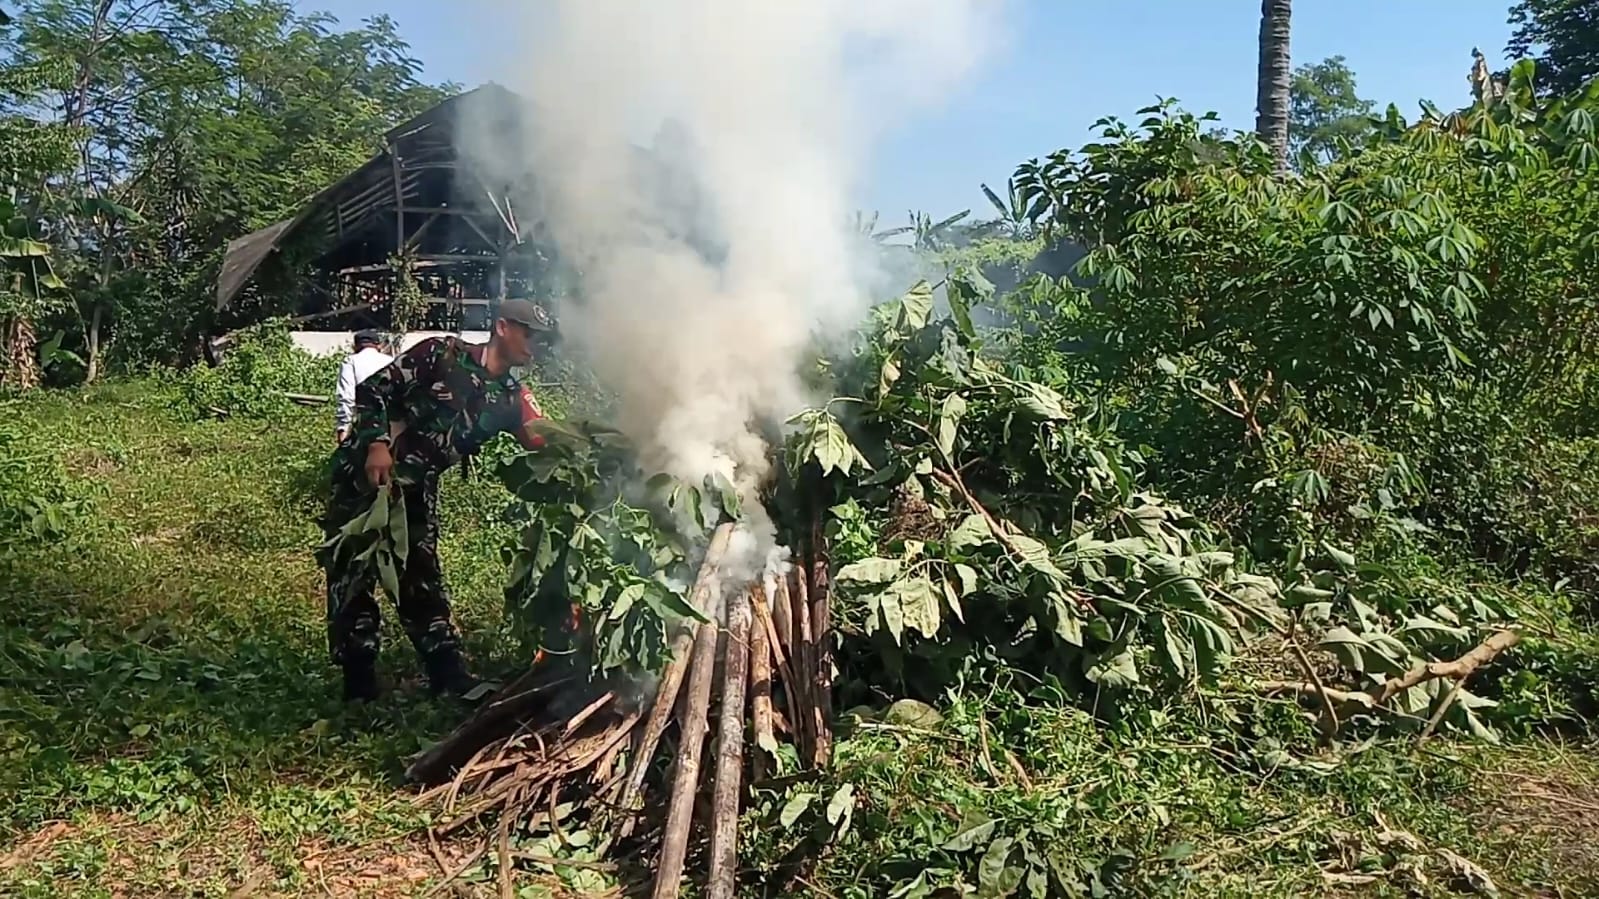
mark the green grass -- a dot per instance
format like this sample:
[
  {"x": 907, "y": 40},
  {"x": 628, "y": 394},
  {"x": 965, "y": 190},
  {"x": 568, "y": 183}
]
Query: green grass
[
  {"x": 163, "y": 673},
  {"x": 169, "y": 723}
]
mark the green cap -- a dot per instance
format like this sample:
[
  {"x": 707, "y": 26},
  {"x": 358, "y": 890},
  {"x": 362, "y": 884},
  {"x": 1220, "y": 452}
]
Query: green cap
[{"x": 525, "y": 312}]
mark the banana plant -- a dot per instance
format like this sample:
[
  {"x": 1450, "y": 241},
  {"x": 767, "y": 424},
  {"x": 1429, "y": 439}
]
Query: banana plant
[{"x": 29, "y": 278}]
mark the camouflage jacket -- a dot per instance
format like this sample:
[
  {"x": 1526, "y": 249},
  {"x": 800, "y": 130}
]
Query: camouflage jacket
[{"x": 436, "y": 405}]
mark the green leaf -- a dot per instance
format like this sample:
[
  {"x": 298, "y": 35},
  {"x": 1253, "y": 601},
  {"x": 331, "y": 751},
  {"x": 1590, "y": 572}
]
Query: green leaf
[
  {"x": 974, "y": 828},
  {"x": 953, "y": 600},
  {"x": 968, "y": 578},
  {"x": 1035, "y": 555},
  {"x": 377, "y": 517},
  {"x": 727, "y": 494},
  {"x": 973, "y": 531},
  {"x": 1043, "y": 402},
  {"x": 1117, "y": 671},
  {"x": 949, "y": 423},
  {"x": 965, "y": 289},
  {"x": 669, "y": 606},
  {"x": 995, "y": 877},
  {"x": 917, "y": 599},
  {"x": 893, "y": 616},
  {"x": 875, "y": 570},
  {"x": 1431, "y": 628},
  {"x": 1212, "y": 643},
  {"x": 911, "y": 713},
  {"x": 889, "y": 374},
  {"x": 1068, "y": 620},
  {"x": 794, "y": 808},
  {"x": 388, "y": 575},
  {"x": 22, "y": 247},
  {"x": 1302, "y": 594},
  {"x": 1172, "y": 648},
  {"x": 840, "y": 805},
  {"x": 831, "y": 447},
  {"x": 916, "y": 306},
  {"x": 1344, "y": 560},
  {"x": 624, "y": 601}
]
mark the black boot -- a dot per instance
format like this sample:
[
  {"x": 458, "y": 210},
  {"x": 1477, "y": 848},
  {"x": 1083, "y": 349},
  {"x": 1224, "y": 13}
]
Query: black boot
[
  {"x": 447, "y": 673},
  {"x": 360, "y": 680}
]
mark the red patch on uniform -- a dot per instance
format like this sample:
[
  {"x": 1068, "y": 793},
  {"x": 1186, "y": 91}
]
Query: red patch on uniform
[{"x": 530, "y": 412}]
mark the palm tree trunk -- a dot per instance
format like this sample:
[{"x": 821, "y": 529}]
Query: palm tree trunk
[{"x": 1274, "y": 80}]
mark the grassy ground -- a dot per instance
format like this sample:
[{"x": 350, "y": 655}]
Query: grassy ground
[{"x": 169, "y": 725}]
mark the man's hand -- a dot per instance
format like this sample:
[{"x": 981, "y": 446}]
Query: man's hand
[{"x": 379, "y": 464}]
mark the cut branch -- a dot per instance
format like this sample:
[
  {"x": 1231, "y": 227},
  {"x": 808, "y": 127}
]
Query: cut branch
[
  {"x": 1457, "y": 670},
  {"x": 730, "y": 751},
  {"x": 685, "y": 782},
  {"x": 672, "y": 677}
]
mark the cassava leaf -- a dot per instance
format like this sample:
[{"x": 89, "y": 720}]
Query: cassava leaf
[
  {"x": 869, "y": 571},
  {"x": 794, "y": 808},
  {"x": 949, "y": 417},
  {"x": 916, "y": 306},
  {"x": 917, "y": 599},
  {"x": 975, "y": 828}
]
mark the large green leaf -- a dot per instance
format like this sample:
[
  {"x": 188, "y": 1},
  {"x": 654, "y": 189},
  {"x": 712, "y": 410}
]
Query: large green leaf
[
  {"x": 918, "y": 601},
  {"x": 869, "y": 571},
  {"x": 949, "y": 417},
  {"x": 916, "y": 306}
]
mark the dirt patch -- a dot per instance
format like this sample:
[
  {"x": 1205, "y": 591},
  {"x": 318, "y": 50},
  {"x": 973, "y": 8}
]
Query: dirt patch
[
  {"x": 135, "y": 860},
  {"x": 90, "y": 462},
  {"x": 1550, "y": 811}
]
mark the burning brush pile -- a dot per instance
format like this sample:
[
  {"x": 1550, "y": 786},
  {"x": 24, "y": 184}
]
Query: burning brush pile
[
  {"x": 964, "y": 519},
  {"x": 669, "y": 626}
]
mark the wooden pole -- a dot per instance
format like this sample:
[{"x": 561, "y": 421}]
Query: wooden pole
[
  {"x": 761, "y": 688},
  {"x": 730, "y": 751},
  {"x": 821, "y": 648},
  {"x": 672, "y": 678},
  {"x": 692, "y": 727}
]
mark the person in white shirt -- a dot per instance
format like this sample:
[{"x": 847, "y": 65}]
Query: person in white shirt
[{"x": 357, "y": 367}]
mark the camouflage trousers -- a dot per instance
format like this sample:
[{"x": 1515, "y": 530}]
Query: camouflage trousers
[{"x": 353, "y": 614}]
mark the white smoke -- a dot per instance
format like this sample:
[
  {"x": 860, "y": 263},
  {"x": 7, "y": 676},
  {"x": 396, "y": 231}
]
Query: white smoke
[{"x": 708, "y": 274}]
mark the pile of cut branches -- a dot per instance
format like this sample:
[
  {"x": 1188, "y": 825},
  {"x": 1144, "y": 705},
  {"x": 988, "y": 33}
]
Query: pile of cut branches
[{"x": 641, "y": 671}]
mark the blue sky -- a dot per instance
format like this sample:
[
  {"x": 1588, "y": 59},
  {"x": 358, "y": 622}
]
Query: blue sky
[{"x": 1066, "y": 64}]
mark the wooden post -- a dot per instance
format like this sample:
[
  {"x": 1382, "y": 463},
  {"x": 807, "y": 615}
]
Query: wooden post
[{"x": 399, "y": 201}]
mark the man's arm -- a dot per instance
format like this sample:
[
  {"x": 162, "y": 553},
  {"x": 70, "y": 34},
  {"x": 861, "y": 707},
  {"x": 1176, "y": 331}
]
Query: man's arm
[
  {"x": 344, "y": 411},
  {"x": 530, "y": 412},
  {"x": 380, "y": 395}
]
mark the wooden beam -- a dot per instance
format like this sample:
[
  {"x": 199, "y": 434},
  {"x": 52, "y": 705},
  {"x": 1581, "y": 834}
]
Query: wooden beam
[
  {"x": 446, "y": 210},
  {"x": 399, "y": 201},
  {"x": 487, "y": 240},
  {"x": 416, "y": 238}
]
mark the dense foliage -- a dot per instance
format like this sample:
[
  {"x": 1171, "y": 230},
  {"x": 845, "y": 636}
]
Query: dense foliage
[{"x": 188, "y": 124}]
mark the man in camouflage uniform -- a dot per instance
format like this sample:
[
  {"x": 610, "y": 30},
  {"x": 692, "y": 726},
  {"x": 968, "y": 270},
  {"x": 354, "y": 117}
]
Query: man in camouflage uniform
[{"x": 435, "y": 405}]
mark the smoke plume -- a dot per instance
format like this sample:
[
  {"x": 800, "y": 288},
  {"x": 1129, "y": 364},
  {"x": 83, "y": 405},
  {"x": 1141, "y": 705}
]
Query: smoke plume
[{"x": 695, "y": 162}]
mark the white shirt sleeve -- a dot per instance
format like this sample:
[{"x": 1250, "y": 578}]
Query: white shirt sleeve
[{"x": 344, "y": 412}]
